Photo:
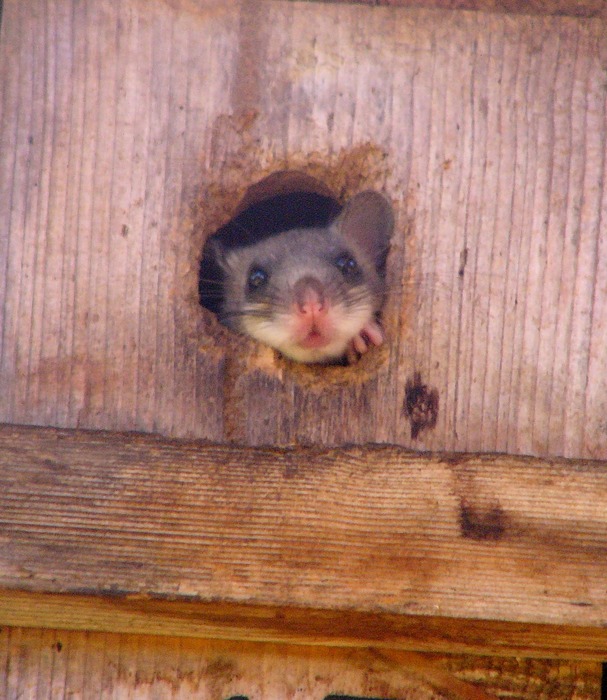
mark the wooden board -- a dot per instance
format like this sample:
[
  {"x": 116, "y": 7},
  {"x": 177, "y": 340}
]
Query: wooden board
[
  {"x": 350, "y": 533},
  {"x": 130, "y": 131},
  {"x": 575, "y": 8},
  {"x": 143, "y": 614},
  {"x": 38, "y": 663}
]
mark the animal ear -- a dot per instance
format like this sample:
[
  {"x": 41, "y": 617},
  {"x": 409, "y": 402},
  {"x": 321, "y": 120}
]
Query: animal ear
[{"x": 368, "y": 220}]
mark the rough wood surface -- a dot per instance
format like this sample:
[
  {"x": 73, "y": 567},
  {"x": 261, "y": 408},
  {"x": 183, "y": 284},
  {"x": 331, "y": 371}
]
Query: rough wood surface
[
  {"x": 129, "y": 132},
  {"x": 574, "y": 8},
  {"x": 141, "y": 614},
  {"x": 370, "y": 530},
  {"x": 52, "y": 663}
]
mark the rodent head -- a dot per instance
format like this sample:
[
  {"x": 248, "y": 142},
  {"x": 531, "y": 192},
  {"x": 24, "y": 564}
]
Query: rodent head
[{"x": 309, "y": 292}]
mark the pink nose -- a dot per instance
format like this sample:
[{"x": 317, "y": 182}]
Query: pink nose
[{"x": 309, "y": 296}]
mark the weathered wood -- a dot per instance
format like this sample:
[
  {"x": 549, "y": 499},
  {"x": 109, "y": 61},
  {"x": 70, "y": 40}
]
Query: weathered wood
[
  {"x": 140, "y": 614},
  {"x": 574, "y": 8},
  {"x": 130, "y": 131},
  {"x": 84, "y": 665},
  {"x": 365, "y": 529}
]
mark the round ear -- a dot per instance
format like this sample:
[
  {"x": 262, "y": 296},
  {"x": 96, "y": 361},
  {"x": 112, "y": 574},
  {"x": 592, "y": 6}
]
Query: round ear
[{"x": 368, "y": 220}]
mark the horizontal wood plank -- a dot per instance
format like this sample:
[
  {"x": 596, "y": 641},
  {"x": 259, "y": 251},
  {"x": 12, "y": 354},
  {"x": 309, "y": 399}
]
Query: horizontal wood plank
[
  {"x": 574, "y": 8},
  {"x": 141, "y": 614},
  {"x": 370, "y": 530},
  {"x": 131, "y": 130},
  {"x": 85, "y": 665}
]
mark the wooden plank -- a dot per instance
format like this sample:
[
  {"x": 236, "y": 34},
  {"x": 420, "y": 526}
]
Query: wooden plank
[
  {"x": 574, "y": 8},
  {"x": 130, "y": 132},
  {"x": 369, "y": 530},
  {"x": 140, "y": 614},
  {"x": 149, "y": 666},
  {"x": 90, "y": 275}
]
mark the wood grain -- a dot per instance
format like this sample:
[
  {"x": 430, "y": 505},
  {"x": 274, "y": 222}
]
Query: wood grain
[
  {"x": 141, "y": 614},
  {"x": 83, "y": 665},
  {"x": 129, "y": 133},
  {"x": 574, "y": 8},
  {"x": 370, "y": 530}
]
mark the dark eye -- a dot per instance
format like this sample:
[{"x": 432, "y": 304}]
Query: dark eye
[
  {"x": 346, "y": 264},
  {"x": 257, "y": 279}
]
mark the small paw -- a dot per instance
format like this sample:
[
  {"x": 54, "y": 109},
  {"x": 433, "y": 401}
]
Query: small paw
[{"x": 371, "y": 334}]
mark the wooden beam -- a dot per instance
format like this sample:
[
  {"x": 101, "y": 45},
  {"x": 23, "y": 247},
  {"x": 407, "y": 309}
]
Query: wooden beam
[{"x": 389, "y": 542}]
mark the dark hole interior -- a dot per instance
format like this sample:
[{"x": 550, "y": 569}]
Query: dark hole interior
[{"x": 273, "y": 215}]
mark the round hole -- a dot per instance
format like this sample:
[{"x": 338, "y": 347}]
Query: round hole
[{"x": 303, "y": 293}]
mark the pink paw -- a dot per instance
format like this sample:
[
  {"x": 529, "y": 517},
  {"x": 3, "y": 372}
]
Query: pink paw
[{"x": 371, "y": 334}]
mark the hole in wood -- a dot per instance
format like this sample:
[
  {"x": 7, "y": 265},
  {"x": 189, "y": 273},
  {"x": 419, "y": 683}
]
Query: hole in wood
[{"x": 299, "y": 273}]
